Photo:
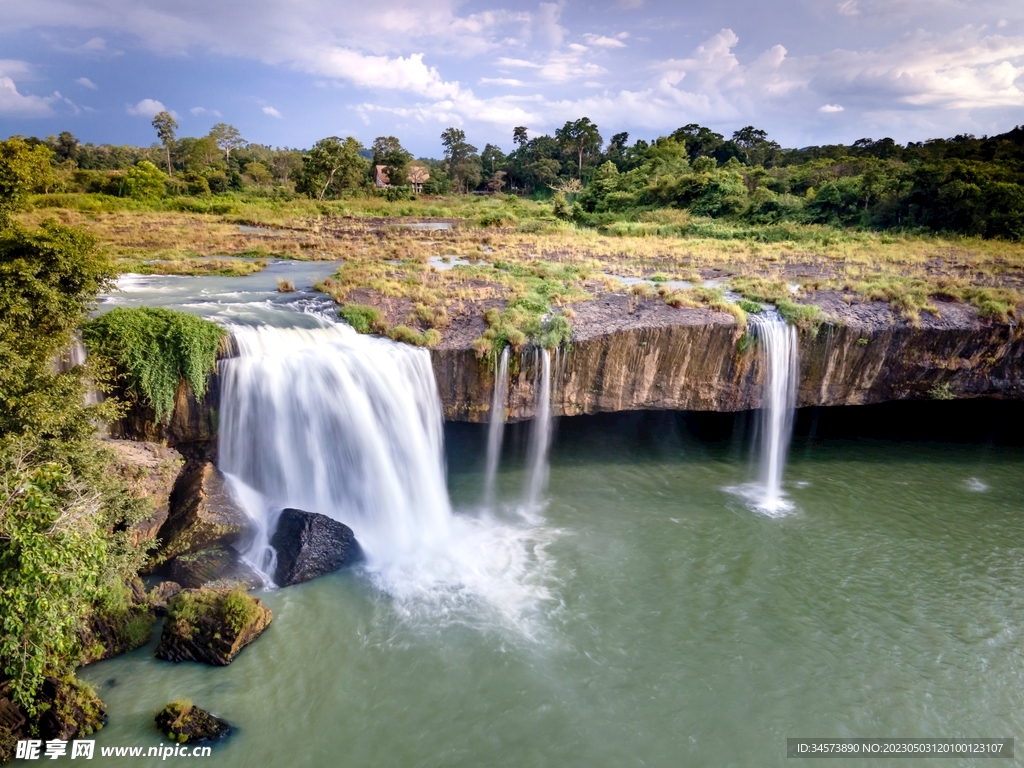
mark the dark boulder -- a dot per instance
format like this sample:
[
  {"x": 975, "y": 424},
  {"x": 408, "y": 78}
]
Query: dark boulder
[
  {"x": 185, "y": 723},
  {"x": 216, "y": 568},
  {"x": 310, "y": 545},
  {"x": 211, "y": 625}
]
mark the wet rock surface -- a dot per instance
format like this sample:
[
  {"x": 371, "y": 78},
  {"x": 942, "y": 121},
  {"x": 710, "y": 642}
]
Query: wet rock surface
[
  {"x": 310, "y": 545},
  {"x": 211, "y": 625},
  {"x": 216, "y": 568},
  {"x": 160, "y": 594},
  {"x": 184, "y": 723},
  {"x": 202, "y": 514}
]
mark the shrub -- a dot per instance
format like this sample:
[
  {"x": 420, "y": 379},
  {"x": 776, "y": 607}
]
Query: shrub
[
  {"x": 145, "y": 181},
  {"x": 363, "y": 318}
]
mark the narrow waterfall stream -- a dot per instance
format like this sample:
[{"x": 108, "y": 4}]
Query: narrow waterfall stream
[
  {"x": 540, "y": 436},
  {"x": 350, "y": 426},
  {"x": 779, "y": 350},
  {"x": 496, "y": 428}
]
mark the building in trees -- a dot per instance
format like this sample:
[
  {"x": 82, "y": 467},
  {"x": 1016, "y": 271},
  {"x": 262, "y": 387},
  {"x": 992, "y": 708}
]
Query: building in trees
[{"x": 417, "y": 176}]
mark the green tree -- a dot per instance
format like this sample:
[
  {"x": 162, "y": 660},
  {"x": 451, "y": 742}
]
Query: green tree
[
  {"x": 227, "y": 138},
  {"x": 388, "y": 152},
  {"x": 331, "y": 166},
  {"x": 165, "y": 126},
  {"x": 259, "y": 174},
  {"x": 23, "y": 169},
  {"x": 579, "y": 138},
  {"x": 144, "y": 181},
  {"x": 463, "y": 164},
  {"x": 519, "y": 136}
]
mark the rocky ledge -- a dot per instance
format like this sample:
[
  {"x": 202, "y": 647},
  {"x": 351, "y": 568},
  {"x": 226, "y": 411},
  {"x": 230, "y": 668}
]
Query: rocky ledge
[{"x": 629, "y": 353}]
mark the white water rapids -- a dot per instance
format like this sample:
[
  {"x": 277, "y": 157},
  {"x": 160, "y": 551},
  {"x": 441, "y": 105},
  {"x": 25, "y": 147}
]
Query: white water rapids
[{"x": 350, "y": 426}]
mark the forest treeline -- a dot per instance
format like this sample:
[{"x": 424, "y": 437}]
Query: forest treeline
[{"x": 964, "y": 184}]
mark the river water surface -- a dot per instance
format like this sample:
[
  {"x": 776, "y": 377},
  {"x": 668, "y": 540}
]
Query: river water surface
[{"x": 646, "y": 616}]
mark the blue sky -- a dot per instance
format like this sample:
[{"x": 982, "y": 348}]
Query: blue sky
[{"x": 288, "y": 72}]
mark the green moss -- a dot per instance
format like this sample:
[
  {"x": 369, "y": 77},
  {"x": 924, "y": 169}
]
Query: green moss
[
  {"x": 750, "y": 307},
  {"x": 153, "y": 349},
  {"x": 238, "y": 610}
]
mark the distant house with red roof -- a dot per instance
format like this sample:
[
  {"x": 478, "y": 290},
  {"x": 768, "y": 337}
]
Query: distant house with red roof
[{"x": 417, "y": 176}]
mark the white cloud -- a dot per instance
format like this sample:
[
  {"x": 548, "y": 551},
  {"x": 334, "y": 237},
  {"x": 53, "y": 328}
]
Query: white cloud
[
  {"x": 605, "y": 42},
  {"x": 830, "y": 108},
  {"x": 1002, "y": 23},
  {"x": 546, "y": 28},
  {"x": 148, "y": 108},
  {"x": 272, "y": 112},
  {"x": 13, "y": 103},
  {"x": 200, "y": 111},
  {"x": 85, "y": 82},
  {"x": 848, "y": 8},
  {"x": 509, "y": 81}
]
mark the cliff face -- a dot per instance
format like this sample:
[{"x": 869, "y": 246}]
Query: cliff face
[{"x": 630, "y": 354}]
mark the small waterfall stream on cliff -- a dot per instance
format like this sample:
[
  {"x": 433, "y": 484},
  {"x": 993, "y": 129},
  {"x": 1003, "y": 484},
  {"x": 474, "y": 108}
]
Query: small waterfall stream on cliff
[
  {"x": 777, "y": 342},
  {"x": 350, "y": 426},
  {"x": 496, "y": 428},
  {"x": 540, "y": 435}
]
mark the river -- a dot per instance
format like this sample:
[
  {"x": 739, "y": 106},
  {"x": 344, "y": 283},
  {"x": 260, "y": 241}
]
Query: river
[{"x": 644, "y": 614}]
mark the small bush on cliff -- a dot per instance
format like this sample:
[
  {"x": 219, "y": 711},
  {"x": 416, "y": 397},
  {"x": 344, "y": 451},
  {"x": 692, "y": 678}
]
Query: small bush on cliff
[
  {"x": 363, "y": 318},
  {"x": 153, "y": 349}
]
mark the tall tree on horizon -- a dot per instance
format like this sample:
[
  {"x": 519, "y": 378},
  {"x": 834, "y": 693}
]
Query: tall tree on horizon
[
  {"x": 227, "y": 138},
  {"x": 579, "y": 137},
  {"x": 165, "y": 125}
]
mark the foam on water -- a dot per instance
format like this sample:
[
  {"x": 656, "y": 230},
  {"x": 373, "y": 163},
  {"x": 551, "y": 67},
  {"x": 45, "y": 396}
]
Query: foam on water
[{"x": 350, "y": 426}]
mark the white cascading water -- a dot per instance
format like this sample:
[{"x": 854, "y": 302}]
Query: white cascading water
[
  {"x": 777, "y": 341},
  {"x": 350, "y": 426},
  {"x": 496, "y": 428},
  {"x": 540, "y": 436}
]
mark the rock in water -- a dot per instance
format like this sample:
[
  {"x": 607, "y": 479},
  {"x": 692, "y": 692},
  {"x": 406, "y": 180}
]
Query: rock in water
[
  {"x": 211, "y": 625},
  {"x": 202, "y": 513},
  {"x": 215, "y": 568},
  {"x": 309, "y": 545},
  {"x": 185, "y": 723}
]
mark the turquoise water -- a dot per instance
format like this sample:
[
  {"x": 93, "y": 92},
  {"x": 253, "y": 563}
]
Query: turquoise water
[{"x": 649, "y": 618}]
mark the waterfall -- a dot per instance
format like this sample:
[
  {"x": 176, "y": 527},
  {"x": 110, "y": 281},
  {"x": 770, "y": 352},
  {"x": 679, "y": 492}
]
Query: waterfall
[
  {"x": 332, "y": 422},
  {"x": 777, "y": 342},
  {"x": 350, "y": 426},
  {"x": 540, "y": 435},
  {"x": 496, "y": 429}
]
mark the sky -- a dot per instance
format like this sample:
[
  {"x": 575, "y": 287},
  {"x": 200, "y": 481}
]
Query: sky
[{"x": 289, "y": 72}]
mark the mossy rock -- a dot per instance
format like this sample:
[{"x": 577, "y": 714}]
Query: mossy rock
[
  {"x": 183, "y": 722},
  {"x": 66, "y": 709},
  {"x": 211, "y": 625},
  {"x": 111, "y": 632}
]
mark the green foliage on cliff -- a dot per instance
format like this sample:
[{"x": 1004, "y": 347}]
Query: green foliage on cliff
[
  {"x": 153, "y": 349},
  {"x": 51, "y": 553}
]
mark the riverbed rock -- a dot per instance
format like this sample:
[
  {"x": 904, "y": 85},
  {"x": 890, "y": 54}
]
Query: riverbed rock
[
  {"x": 310, "y": 545},
  {"x": 203, "y": 513},
  {"x": 215, "y": 568},
  {"x": 211, "y": 625},
  {"x": 66, "y": 709},
  {"x": 111, "y": 632},
  {"x": 160, "y": 594},
  {"x": 185, "y": 723}
]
